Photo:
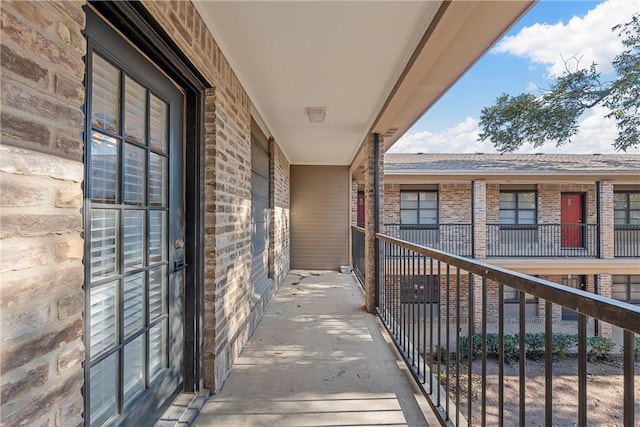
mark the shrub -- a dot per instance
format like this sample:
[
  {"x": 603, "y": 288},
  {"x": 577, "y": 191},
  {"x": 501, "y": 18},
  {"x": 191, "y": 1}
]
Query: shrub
[
  {"x": 476, "y": 343},
  {"x": 534, "y": 345},
  {"x": 636, "y": 348},
  {"x": 599, "y": 349},
  {"x": 562, "y": 343}
]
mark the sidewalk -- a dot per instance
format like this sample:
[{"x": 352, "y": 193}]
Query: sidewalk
[{"x": 318, "y": 359}]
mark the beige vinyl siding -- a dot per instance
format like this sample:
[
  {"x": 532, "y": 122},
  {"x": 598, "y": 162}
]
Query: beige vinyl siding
[{"x": 319, "y": 217}]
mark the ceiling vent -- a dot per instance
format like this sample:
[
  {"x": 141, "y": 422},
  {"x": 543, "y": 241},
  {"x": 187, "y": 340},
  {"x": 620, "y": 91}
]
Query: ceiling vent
[{"x": 316, "y": 114}]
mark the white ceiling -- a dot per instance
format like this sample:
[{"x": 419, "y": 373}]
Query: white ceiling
[
  {"x": 376, "y": 66},
  {"x": 345, "y": 56}
]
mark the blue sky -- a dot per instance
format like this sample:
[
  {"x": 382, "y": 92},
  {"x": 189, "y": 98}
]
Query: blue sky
[{"x": 531, "y": 52}]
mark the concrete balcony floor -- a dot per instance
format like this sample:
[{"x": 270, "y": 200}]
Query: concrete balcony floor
[{"x": 318, "y": 359}]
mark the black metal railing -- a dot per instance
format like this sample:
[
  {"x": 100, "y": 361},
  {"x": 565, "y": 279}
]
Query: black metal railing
[
  {"x": 626, "y": 239},
  {"x": 357, "y": 252},
  {"x": 542, "y": 240},
  {"x": 446, "y": 315},
  {"x": 453, "y": 238}
]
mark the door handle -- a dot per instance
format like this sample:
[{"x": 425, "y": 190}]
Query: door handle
[{"x": 179, "y": 265}]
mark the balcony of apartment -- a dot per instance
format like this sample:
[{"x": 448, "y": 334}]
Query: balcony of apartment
[
  {"x": 465, "y": 330},
  {"x": 515, "y": 240},
  {"x": 626, "y": 241},
  {"x": 318, "y": 359}
]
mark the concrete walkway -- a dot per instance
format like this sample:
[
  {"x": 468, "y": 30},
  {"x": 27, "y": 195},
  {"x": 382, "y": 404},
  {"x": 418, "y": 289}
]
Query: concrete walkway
[{"x": 318, "y": 359}]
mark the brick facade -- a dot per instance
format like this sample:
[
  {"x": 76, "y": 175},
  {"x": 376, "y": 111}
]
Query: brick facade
[
  {"x": 455, "y": 205},
  {"x": 230, "y": 316},
  {"x": 41, "y": 174},
  {"x": 41, "y": 171}
]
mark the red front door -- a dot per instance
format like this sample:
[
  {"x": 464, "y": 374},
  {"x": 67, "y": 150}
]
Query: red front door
[
  {"x": 360, "y": 208},
  {"x": 572, "y": 219}
]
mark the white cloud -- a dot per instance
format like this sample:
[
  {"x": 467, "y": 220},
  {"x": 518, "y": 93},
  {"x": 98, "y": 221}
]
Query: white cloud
[
  {"x": 596, "y": 135},
  {"x": 461, "y": 138},
  {"x": 589, "y": 38}
]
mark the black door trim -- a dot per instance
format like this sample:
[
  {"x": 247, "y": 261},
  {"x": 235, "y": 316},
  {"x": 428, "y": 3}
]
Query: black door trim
[{"x": 135, "y": 22}]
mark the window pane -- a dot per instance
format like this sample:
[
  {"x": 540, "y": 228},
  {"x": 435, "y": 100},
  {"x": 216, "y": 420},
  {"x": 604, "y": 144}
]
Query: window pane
[
  {"x": 428, "y": 217},
  {"x": 507, "y": 200},
  {"x": 408, "y": 196},
  {"x": 103, "y": 390},
  {"x": 157, "y": 353},
  {"x": 158, "y": 123},
  {"x": 157, "y": 221},
  {"x": 429, "y": 195},
  {"x": 510, "y": 294},
  {"x": 104, "y": 168},
  {"x": 409, "y": 216},
  {"x": 527, "y": 200},
  {"x": 134, "y": 173},
  {"x": 526, "y": 217},
  {"x": 104, "y": 243},
  {"x": 133, "y": 368},
  {"x": 634, "y": 198},
  {"x": 157, "y": 178},
  {"x": 105, "y": 90},
  {"x": 157, "y": 291},
  {"x": 103, "y": 317},
  {"x": 429, "y": 200},
  {"x": 619, "y": 291},
  {"x": 620, "y": 217},
  {"x": 133, "y": 245},
  {"x": 135, "y": 110},
  {"x": 507, "y": 217},
  {"x": 133, "y": 303}
]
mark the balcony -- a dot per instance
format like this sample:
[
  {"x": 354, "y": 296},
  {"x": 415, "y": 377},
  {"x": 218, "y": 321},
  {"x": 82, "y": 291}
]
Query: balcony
[
  {"x": 453, "y": 238},
  {"x": 626, "y": 241},
  {"x": 446, "y": 315},
  {"x": 317, "y": 359},
  {"x": 543, "y": 240}
]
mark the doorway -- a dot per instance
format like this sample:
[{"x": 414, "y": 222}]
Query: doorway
[
  {"x": 134, "y": 232},
  {"x": 576, "y": 282},
  {"x": 572, "y": 220}
]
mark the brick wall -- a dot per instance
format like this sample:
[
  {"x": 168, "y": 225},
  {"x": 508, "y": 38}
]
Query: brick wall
[
  {"x": 41, "y": 295},
  {"x": 391, "y": 210},
  {"x": 229, "y": 316},
  {"x": 281, "y": 202},
  {"x": 607, "y": 240},
  {"x": 454, "y": 203}
]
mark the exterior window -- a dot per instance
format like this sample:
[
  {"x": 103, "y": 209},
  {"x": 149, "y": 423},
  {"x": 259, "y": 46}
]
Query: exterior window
[
  {"x": 626, "y": 288},
  {"x": 513, "y": 296},
  {"x": 419, "y": 288},
  {"x": 419, "y": 207},
  {"x": 518, "y": 207},
  {"x": 626, "y": 208}
]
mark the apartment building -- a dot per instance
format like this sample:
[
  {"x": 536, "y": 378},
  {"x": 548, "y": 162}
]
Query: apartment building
[
  {"x": 570, "y": 219},
  {"x": 163, "y": 165}
]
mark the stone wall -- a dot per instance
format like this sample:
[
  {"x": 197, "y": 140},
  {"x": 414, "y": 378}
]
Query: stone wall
[{"x": 41, "y": 247}]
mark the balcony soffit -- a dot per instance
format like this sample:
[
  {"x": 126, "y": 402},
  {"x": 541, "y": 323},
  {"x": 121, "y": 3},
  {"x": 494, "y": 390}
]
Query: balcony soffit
[{"x": 350, "y": 57}]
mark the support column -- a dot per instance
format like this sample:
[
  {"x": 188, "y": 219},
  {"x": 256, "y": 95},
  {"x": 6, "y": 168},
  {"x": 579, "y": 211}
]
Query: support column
[
  {"x": 373, "y": 194},
  {"x": 354, "y": 202},
  {"x": 605, "y": 283},
  {"x": 479, "y": 218},
  {"x": 606, "y": 220}
]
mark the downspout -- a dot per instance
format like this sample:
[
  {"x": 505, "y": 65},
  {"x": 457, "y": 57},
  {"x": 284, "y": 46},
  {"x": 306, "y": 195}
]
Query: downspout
[{"x": 598, "y": 231}]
